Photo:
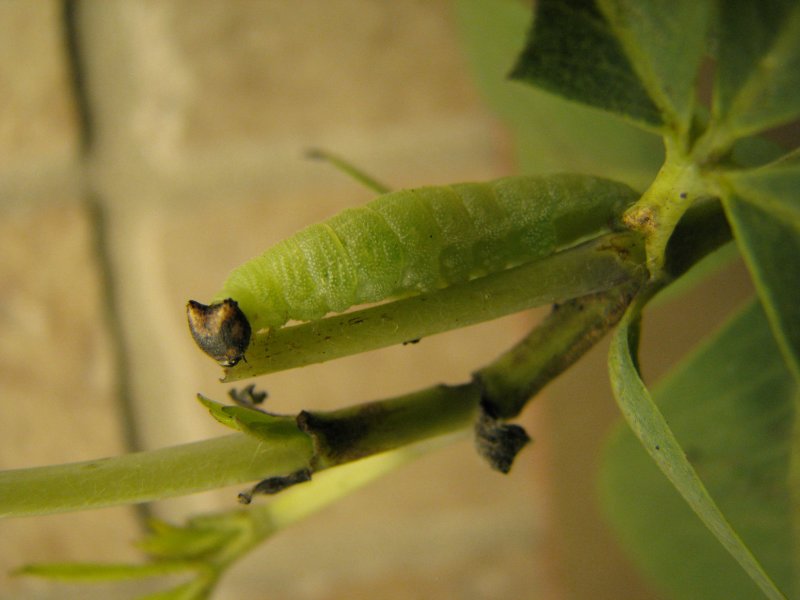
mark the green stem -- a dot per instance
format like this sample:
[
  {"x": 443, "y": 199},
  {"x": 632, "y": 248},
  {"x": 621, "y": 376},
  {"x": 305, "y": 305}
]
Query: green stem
[
  {"x": 349, "y": 169},
  {"x": 227, "y": 536},
  {"x": 355, "y": 432},
  {"x": 656, "y": 214},
  {"x": 146, "y": 476},
  {"x": 338, "y": 437},
  {"x": 240, "y": 458},
  {"x": 594, "y": 266},
  {"x": 235, "y": 459},
  {"x": 502, "y": 388},
  {"x": 565, "y": 336}
]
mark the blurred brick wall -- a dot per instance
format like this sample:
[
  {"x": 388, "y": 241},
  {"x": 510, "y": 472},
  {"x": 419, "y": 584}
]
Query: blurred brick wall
[{"x": 196, "y": 118}]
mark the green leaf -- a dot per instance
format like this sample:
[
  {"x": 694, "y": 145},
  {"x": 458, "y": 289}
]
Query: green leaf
[
  {"x": 201, "y": 537},
  {"x": 551, "y": 134},
  {"x": 755, "y": 151},
  {"x": 95, "y": 572},
  {"x": 263, "y": 425},
  {"x": 197, "y": 589},
  {"x": 731, "y": 405},
  {"x": 758, "y": 70},
  {"x": 665, "y": 41},
  {"x": 764, "y": 211},
  {"x": 219, "y": 411},
  {"x": 774, "y": 186},
  {"x": 650, "y": 427},
  {"x": 573, "y": 52}
]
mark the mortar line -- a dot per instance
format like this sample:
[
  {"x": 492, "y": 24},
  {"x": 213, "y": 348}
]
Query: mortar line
[{"x": 98, "y": 226}]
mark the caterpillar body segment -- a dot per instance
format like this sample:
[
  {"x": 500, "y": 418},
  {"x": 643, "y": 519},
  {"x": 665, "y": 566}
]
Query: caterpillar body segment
[{"x": 414, "y": 241}]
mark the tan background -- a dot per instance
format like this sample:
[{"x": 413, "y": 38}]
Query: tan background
[{"x": 159, "y": 144}]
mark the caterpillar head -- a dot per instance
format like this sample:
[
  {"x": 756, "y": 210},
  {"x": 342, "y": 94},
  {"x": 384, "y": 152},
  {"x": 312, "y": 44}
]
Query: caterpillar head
[{"x": 221, "y": 330}]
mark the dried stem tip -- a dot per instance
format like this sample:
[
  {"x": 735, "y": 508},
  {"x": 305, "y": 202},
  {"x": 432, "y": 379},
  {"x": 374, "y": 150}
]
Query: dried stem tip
[{"x": 221, "y": 330}]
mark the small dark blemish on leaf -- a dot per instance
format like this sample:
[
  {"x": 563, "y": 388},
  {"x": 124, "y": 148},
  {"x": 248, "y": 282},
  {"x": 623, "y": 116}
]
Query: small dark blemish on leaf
[
  {"x": 414, "y": 341},
  {"x": 221, "y": 330},
  {"x": 684, "y": 195}
]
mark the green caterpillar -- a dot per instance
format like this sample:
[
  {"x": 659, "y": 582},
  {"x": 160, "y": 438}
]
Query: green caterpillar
[{"x": 401, "y": 243}]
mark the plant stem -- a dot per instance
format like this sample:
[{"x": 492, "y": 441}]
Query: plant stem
[
  {"x": 656, "y": 214},
  {"x": 234, "y": 459},
  {"x": 358, "y": 431},
  {"x": 348, "y": 169},
  {"x": 146, "y": 476},
  {"x": 570, "y": 330},
  {"x": 338, "y": 436}
]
